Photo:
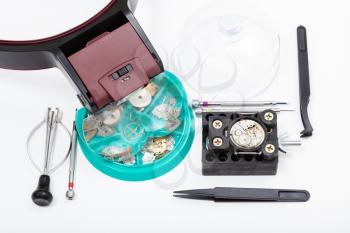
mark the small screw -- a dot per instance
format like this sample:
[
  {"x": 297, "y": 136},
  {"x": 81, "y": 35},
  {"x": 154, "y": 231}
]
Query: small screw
[
  {"x": 269, "y": 116},
  {"x": 217, "y": 142},
  {"x": 217, "y": 124},
  {"x": 269, "y": 148}
]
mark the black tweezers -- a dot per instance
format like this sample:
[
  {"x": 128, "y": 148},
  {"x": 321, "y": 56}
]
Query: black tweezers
[
  {"x": 304, "y": 81},
  {"x": 245, "y": 194}
]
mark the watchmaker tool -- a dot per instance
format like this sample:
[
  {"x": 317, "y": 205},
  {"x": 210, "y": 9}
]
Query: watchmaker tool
[
  {"x": 240, "y": 144},
  {"x": 304, "y": 81},
  {"x": 245, "y": 194},
  {"x": 200, "y": 104},
  {"x": 101, "y": 78},
  {"x": 72, "y": 164},
  {"x": 244, "y": 107},
  {"x": 42, "y": 195},
  {"x": 246, "y": 111}
]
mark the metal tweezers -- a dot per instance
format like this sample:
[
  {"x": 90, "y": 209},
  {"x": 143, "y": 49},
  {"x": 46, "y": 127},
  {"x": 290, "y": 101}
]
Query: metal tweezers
[{"x": 245, "y": 194}]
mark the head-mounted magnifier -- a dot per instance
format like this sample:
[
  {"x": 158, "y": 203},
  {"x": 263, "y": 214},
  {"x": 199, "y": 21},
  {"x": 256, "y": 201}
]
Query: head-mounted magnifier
[{"x": 106, "y": 58}]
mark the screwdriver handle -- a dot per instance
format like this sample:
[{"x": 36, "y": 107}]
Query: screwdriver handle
[{"x": 42, "y": 195}]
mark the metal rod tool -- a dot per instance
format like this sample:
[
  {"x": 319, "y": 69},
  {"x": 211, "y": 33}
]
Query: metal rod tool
[
  {"x": 72, "y": 164},
  {"x": 200, "y": 104},
  {"x": 199, "y": 111},
  {"x": 290, "y": 142}
]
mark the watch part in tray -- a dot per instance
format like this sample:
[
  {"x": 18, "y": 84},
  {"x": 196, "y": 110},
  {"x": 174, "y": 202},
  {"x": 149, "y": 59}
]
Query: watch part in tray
[
  {"x": 169, "y": 113},
  {"x": 152, "y": 88},
  {"x": 148, "y": 158},
  {"x": 172, "y": 125},
  {"x": 112, "y": 116},
  {"x": 89, "y": 135},
  {"x": 141, "y": 98},
  {"x": 105, "y": 131},
  {"x": 133, "y": 131},
  {"x": 119, "y": 154},
  {"x": 102, "y": 124},
  {"x": 92, "y": 122},
  {"x": 157, "y": 148}
]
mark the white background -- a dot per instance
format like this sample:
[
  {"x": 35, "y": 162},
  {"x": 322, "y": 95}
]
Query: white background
[{"x": 104, "y": 204}]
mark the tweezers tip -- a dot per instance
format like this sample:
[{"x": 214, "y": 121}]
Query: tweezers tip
[
  {"x": 180, "y": 191},
  {"x": 306, "y": 133},
  {"x": 176, "y": 195}
]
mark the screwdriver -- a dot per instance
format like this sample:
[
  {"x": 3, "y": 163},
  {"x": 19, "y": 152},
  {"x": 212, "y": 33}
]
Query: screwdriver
[
  {"x": 42, "y": 195},
  {"x": 72, "y": 165},
  {"x": 198, "y": 104}
]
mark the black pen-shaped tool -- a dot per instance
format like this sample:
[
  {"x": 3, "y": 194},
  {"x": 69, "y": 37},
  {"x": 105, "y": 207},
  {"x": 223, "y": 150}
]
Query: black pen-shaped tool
[
  {"x": 245, "y": 194},
  {"x": 304, "y": 81}
]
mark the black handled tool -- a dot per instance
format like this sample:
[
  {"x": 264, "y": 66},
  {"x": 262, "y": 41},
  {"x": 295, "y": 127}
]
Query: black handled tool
[
  {"x": 304, "y": 81},
  {"x": 42, "y": 195},
  {"x": 245, "y": 194}
]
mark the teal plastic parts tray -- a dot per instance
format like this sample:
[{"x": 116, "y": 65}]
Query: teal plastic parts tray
[{"x": 169, "y": 86}]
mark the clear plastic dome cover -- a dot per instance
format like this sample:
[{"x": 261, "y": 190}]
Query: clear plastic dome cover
[{"x": 228, "y": 45}]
